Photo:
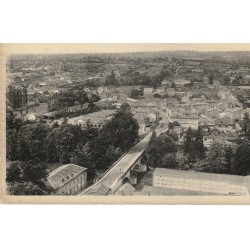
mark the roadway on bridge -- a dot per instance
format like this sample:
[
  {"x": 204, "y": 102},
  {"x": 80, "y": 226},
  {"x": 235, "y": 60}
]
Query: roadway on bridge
[{"x": 115, "y": 173}]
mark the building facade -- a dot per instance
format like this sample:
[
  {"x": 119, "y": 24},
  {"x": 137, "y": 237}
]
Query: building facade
[
  {"x": 68, "y": 179},
  {"x": 219, "y": 184}
]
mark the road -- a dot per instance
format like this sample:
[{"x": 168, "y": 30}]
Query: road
[
  {"x": 177, "y": 71},
  {"x": 114, "y": 175}
]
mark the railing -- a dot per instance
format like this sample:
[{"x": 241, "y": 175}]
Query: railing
[{"x": 111, "y": 168}]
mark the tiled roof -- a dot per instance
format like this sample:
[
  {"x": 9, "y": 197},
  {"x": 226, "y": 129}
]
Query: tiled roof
[
  {"x": 126, "y": 189},
  {"x": 58, "y": 177}
]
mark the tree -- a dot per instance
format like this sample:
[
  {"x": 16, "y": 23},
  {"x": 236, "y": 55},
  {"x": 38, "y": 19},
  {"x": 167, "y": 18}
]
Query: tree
[
  {"x": 125, "y": 107},
  {"x": 246, "y": 125},
  {"x": 229, "y": 159},
  {"x": 12, "y": 144},
  {"x": 35, "y": 172},
  {"x": 188, "y": 141},
  {"x": 27, "y": 178},
  {"x": 94, "y": 98},
  {"x": 157, "y": 148},
  {"x": 113, "y": 153},
  {"x": 226, "y": 80},
  {"x": 172, "y": 125},
  {"x": 242, "y": 158},
  {"x": 122, "y": 130},
  {"x": 81, "y": 155},
  {"x": 211, "y": 78},
  {"x": 183, "y": 161},
  {"x": 10, "y": 117},
  {"x": 135, "y": 93},
  {"x": 193, "y": 144},
  {"x": 82, "y": 98},
  {"x": 115, "y": 138},
  {"x": 173, "y": 85},
  {"x": 62, "y": 141},
  {"x": 199, "y": 146},
  {"x": 27, "y": 188},
  {"x": 111, "y": 79},
  {"x": 32, "y": 141},
  {"x": 157, "y": 95},
  {"x": 16, "y": 96},
  {"x": 13, "y": 172},
  {"x": 92, "y": 107},
  {"x": 219, "y": 158},
  {"x": 66, "y": 99},
  {"x": 169, "y": 161}
]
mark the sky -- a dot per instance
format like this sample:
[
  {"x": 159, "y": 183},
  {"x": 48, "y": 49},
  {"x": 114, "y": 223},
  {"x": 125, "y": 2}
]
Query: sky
[{"x": 118, "y": 47}]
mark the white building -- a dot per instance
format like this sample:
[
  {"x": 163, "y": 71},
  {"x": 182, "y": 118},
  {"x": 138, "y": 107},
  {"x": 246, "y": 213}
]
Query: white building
[
  {"x": 201, "y": 182},
  {"x": 30, "y": 117},
  {"x": 148, "y": 90}
]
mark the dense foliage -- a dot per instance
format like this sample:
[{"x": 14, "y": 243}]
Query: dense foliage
[
  {"x": 160, "y": 151},
  {"x": 218, "y": 158},
  {"x": 16, "y": 96},
  {"x": 39, "y": 143},
  {"x": 67, "y": 99},
  {"x": 27, "y": 178},
  {"x": 193, "y": 144}
]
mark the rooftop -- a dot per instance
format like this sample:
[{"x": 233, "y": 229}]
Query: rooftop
[
  {"x": 60, "y": 176},
  {"x": 126, "y": 189}
]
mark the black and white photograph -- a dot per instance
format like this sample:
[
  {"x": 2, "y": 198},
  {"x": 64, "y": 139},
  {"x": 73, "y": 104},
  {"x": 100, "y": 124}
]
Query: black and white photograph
[
  {"x": 124, "y": 124},
  {"x": 128, "y": 120}
]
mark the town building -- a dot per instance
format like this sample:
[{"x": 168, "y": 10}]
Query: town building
[
  {"x": 205, "y": 80},
  {"x": 30, "y": 117},
  {"x": 78, "y": 109},
  {"x": 234, "y": 113},
  {"x": 170, "y": 92},
  {"x": 186, "y": 123},
  {"x": 180, "y": 83},
  {"x": 126, "y": 189},
  {"x": 228, "y": 137},
  {"x": 68, "y": 179},
  {"x": 205, "y": 120},
  {"x": 93, "y": 120},
  {"x": 165, "y": 82},
  {"x": 223, "y": 122},
  {"x": 245, "y": 111}
]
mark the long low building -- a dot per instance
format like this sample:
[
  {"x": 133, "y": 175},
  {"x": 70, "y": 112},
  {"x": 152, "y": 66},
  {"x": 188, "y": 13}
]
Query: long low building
[{"x": 220, "y": 184}]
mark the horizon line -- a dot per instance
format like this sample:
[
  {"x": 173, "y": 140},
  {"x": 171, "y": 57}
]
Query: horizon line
[{"x": 119, "y": 48}]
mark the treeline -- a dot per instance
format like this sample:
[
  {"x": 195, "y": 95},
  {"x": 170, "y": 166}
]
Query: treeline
[
  {"x": 27, "y": 178},
  {"x": 16, "y": 96},
  {"x": 90, "y": 148},
  {"x": 111, "y": 80},
  {"x": 145, "y": 80},
  {"x": 131, "y": 78},
  {"x": 219, "y": 158}
]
